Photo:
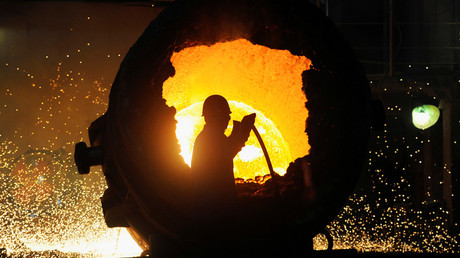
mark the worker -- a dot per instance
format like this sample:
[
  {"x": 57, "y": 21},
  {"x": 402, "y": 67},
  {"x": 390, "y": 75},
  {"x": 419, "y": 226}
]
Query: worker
[{"x": 212, "y": 179}]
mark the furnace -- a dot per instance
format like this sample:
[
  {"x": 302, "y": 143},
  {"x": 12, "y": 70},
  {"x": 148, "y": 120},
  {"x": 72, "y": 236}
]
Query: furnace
[
  {"x": 284, "y": 60},
  {"x": 255, "y": 79}
]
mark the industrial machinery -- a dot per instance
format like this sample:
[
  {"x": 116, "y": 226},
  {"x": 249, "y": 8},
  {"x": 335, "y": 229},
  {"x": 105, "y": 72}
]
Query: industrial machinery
[{"x": 196, "y": 48}]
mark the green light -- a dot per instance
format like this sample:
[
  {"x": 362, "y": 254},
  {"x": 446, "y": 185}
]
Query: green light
[{"x": 425, "y": 116}]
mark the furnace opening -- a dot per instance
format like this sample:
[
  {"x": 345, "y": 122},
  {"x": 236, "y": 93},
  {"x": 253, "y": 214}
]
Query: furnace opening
[
  {"x": 250, "y": 161},
  {"x": 253, "y": 78}
]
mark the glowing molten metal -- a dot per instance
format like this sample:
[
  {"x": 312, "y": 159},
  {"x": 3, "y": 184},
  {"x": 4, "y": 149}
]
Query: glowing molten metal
[
  {"x": 255, "y": 79},
  {"x": 250, "y": 161}
]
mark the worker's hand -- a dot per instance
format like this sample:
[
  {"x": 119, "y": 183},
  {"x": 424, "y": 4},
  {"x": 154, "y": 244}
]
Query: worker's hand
[
  {"x": 249, "y": 120},
  {"x": 246, "y": 126}
]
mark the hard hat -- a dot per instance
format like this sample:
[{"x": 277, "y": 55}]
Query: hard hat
[{"x": 216, "y": 105}]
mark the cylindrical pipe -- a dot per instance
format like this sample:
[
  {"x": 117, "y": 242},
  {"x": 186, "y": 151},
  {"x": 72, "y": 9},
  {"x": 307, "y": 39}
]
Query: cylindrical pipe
[{"x": 86, "y": 157}]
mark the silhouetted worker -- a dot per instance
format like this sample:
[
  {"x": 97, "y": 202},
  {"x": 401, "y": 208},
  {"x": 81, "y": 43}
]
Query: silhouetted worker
[{"x": 212, "y": 180}]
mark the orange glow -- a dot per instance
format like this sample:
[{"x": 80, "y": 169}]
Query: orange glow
[
  {"x": 250, "y": 161},
  {"x": 117, "y": 243},
  {"x": 266, "y": 80}
]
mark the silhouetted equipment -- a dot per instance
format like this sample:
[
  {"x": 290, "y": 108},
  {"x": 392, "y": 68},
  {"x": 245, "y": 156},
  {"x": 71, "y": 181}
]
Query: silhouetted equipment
[
  {"x": 148, "y": 183},
  {"x": 86, "y": 157}
]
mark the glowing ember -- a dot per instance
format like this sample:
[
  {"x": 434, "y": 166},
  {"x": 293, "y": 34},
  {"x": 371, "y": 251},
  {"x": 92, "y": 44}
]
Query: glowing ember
[
  {"x": 33, "y": 181},
  {"x": 43, "y": 212},
  {"x": 65, "y": 222},
  {"x": 250, "y": 162}
]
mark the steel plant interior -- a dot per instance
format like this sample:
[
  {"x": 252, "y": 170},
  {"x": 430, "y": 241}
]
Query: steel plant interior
[{"x": 144, "y": 171}]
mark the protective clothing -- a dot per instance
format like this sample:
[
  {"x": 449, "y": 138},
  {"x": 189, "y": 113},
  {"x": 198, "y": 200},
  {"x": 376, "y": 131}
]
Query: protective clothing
[
  {"x": 212, "y": 180},
  {"x": 216, "y": 105}
]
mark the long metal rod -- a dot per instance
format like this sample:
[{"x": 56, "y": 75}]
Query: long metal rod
[{"x": 267, "y": 158}]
